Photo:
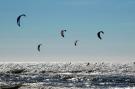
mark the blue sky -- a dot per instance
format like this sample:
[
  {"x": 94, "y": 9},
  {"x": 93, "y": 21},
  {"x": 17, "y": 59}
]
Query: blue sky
[{"x": 82, "y": 19}]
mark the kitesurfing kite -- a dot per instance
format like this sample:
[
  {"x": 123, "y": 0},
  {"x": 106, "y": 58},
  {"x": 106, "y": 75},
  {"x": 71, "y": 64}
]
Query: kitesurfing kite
[
  {"x": 99, "y": 34},
  {"x": 62, "y": 32},
  {"x": 39, "y": 47},
  {"x": 19, "y": 18},
  {"x": 75, "y": 43}
]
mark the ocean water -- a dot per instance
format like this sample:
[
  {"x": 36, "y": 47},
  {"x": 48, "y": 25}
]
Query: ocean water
[{"x": 67, "y": 76}]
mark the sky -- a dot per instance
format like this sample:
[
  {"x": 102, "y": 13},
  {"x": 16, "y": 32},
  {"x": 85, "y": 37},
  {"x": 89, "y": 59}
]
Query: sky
[{"x": 81, "y": 18}]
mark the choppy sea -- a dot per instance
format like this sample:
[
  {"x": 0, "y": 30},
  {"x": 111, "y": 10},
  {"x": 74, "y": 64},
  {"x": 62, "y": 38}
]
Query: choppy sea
[{"x": 67, "y": 76}]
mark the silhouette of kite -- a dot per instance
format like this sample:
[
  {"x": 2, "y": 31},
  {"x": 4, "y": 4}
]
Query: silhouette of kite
[
  {"x": 18, "y": 19},
  {"x": 88, "y": 64},
  {"x": 99, "y": 34},
  {"x": 39, "y": 47},
  {"x": 75, "y": 43},
  {"x": 62, "y": 32}
]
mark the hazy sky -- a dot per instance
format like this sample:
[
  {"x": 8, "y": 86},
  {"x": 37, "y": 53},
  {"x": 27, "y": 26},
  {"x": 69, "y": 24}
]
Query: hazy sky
[{"x": 81, "y": 18}]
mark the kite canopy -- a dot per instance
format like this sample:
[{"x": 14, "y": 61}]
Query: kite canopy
[
  {"x": 62, "y": 32},
  {"x": 38, "y": 48},
  {"x": 19, "y": 18},
  {"x": 99, "y": 34},
  {"x": 75, "y": 43}
]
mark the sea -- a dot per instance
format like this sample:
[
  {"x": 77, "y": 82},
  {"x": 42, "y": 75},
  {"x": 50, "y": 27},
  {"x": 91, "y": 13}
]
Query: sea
[{"x": 98, "y": 75}]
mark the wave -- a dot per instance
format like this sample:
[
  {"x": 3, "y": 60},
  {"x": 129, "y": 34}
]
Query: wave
[
  {"x": 77, "y": 75},
  {"x": 17, "y": 68}
]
